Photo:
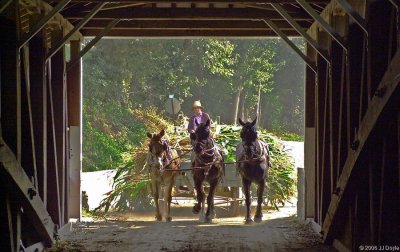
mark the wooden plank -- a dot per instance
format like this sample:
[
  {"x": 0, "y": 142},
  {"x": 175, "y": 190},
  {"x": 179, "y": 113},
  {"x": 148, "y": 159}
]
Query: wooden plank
[
  {"x": 38, "y": 86},
  {"x": 54, "y": 206},
  {"x": 371, "y": 202},
  {"x": 390, "y": 83},
  {"x": 185, "y": 14},
  {"x": 348, "y": 104},
  {"x": 204, "y": 1},
  {"x": 57, "y": 92},
  {"x": 28, "y": 97},
  {"x": 325, "y": 169},
  {"x": 341, "y": 114},
  {"x": 190, "y": 33},
  {"x": 191, "y": 24},
  {"x": 18, "y": 106},
  {"x": 8, "y": 81},
  {"x": 382, "y": 191},
  {"x": 33, "y": 207},
  {"x": 10, "y": 222},
  {"x": 363, "y": 82},
  {"x": 74, "y": 92}
]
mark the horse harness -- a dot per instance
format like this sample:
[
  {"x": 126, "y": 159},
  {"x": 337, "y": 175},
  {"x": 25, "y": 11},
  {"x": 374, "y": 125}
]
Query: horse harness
[
  {"x": 263, "y": 151},
  {"x": 167, "y": 160},
  {"x": 210, "y": 152}
]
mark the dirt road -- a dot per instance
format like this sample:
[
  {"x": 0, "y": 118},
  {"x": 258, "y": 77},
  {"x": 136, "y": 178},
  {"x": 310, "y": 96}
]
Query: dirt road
[{"x": 278, "y": 232}]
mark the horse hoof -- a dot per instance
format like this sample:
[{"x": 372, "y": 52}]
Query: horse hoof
[
  {"x": 258, "y": 219},
  {"x": 158, "y": 217},
  {"x": 168, "y": 219},
  {"x": 248, "y": 221},
  {"x": 207, "y": 219},
  {"x": 196, "y": 209}
]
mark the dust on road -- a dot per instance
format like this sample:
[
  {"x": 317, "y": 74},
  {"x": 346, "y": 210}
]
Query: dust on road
[{"x": 278, "y": 232}]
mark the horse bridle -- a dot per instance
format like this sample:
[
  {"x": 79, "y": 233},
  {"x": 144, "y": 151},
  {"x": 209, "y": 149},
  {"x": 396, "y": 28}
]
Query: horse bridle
[
  {"x": 204, "y": 151},
  {"x": 154, "y": 156}
]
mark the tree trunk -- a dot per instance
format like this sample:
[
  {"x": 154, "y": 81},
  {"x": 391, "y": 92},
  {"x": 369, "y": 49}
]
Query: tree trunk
[
  {"x": 242, "y": 105},
  {"x": 258, "y": 105},
  {"x": 236, "y": 100}
]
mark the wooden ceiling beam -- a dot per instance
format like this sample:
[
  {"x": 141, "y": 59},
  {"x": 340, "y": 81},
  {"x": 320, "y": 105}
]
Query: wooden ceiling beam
[
  {"x": 198, "y": 1},
  {"x": 191, "y": 24},
  {"x": 186, "y": 14},
  {"x": 188, "y": 33}
]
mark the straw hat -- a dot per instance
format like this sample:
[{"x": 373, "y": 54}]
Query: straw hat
[{"x": 197, "y": 104}]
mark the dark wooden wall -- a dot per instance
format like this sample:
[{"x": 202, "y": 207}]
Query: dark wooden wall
[
  {"x": 34, "y": 134},
  {"x": 356, "y": 110}
]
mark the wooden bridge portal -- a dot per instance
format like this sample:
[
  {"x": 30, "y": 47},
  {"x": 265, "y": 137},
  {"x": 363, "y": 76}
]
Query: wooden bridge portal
[{"x": 352, "y": 137}]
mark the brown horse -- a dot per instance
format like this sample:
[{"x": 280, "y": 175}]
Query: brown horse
[
  {"x": 161, "y": 160},
  {"x": 252, "y": 161},
  {"x": 208, "y": 165}
]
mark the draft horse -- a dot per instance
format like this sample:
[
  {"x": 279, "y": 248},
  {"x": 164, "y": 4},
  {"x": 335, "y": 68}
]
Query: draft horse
[
  {"x": 208, "y": 165},
  {"x": 161, "y": 162},
  {"x": 252, "y": 162}
]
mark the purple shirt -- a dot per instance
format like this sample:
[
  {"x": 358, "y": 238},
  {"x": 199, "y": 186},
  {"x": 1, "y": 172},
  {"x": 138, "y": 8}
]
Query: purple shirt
[{"x": 201, "y": 118}]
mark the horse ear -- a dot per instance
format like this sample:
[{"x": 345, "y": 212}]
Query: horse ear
[
  {"x": 193, "y": 136},
  {"x": 208, "y": 123},
  {"x": 149, "y": 135},
  {"x": 241, "y": 122},
  {"x": 162, "y": 133},
  {"x": 254, "y": 122}
]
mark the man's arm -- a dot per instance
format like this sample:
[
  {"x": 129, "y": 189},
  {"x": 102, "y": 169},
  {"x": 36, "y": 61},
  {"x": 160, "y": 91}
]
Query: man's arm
[{"x": 190, "y": 127}]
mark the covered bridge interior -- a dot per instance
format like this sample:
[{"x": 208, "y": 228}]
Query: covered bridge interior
[{"x": 352, "y": 137}]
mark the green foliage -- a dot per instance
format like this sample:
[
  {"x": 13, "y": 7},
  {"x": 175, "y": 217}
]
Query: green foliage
[
  {"x": 138, "y": 74},
  {"x": 219, "y": 57},
  {"x": 287, "y": 136}
]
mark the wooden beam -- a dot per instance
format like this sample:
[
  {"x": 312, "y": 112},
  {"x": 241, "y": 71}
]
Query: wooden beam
[
  {"x": 354, "y": 15},
  {"x": 76, "y": 28},
  {"x": 327, "y": 27},
  {"x": 33, "y": 206},
  {"x": 39, "y": 26},
  {"x": 39, "y": 109},
  {"x": 283, "y": 36},
  {"x": 382, "y": 191},
  {"x": 322, "y": 51},
  {"x": 74, "y": 94},
  {"x": 389, "y": 83},
  {"x": 202, "y": 1},
  {"x": 4, "y": 4},
  {"x": 188, "y": 33},
  {"x": 28, "y": 99},
  {"x": 93, "y": 42},
  {"x": 191, "y": 24},
  {"x": 142, "y": 13}
]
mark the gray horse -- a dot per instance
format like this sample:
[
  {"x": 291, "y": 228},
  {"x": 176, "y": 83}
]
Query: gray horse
[{"x": 161, "y": 162}]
